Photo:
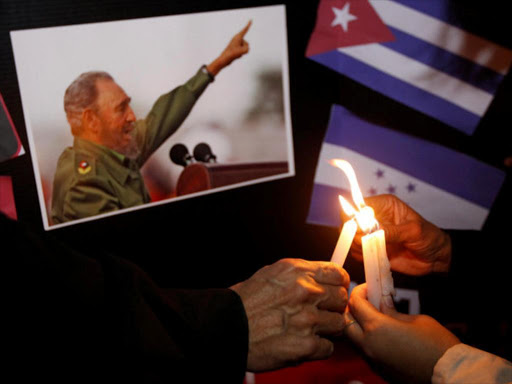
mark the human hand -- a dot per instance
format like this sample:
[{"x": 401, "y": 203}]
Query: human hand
[
  {"x": 290, "y": 306},
  {"x": 409, "y": 346},
  {"x": 414, "y": 245},
  {"x": 236, "y": 48}
]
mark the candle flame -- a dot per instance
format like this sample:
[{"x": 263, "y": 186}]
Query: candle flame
[
  {"x": 345, "y": 166},
  {"x": 366, "y": 220},
  {"x": 347, "y": 207},
  {"x": 365, "y": 216}
]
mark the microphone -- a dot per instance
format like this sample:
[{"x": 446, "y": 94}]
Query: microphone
[
  {"x": 203, "y": 152},
  {"x": 179, "y": 155}
]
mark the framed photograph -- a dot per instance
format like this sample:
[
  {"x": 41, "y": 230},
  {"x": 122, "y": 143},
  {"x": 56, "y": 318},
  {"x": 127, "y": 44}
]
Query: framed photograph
[{"x": 128, "y": 114}]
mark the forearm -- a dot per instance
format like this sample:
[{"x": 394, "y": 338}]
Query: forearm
[
  {"x": 168, "y": 114},
  {"x": 216, "y": 66}
]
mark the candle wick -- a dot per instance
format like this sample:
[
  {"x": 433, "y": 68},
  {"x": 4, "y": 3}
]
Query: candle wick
[{"x": 375, "y": 228}]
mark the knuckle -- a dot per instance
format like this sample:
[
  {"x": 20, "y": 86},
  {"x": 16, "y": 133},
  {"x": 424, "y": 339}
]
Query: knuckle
[
  {"x": 310, "y": 346},
  {"x": 286, "y": 263},
  {"x": 416, "y": 228},
  {"x": 337, "y": 323},
  {"x": 345, "y": 278},
  {"x": 305, "y": 322},
  {"x": 281, "y": 266},
  {"x": 301, "y": 289},
  {"x": 309, "y": 318}
]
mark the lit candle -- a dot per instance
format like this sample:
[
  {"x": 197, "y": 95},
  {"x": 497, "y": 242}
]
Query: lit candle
[
  {"x": 347, "y": 234},
  {"x": 376, "y": 264},
  {"x": 377, "y": 271},
  {"x": 344, "y": 242}
]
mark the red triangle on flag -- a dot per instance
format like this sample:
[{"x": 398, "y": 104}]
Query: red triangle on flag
[{"x": 342, "y": 23}]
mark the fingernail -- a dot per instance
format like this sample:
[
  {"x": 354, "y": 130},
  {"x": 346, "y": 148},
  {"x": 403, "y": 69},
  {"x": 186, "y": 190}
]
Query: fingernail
[{"x": 388, "y": 300}]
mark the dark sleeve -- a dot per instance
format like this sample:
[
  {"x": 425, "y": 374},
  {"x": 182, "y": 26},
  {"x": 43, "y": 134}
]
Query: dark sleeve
[
  {"x": 473, "y": 294},
  {"x": 467, "y": 253},
  {"x": 477, "y": 269},
  {"x": 480, "y": 255},
  {"x": 75, "y": 318}
]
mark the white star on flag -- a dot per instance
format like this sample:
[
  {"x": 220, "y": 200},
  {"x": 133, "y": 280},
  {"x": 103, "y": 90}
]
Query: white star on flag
[
  {"x": 343, "y": 17},
  {"x": 411, "y": 52}
]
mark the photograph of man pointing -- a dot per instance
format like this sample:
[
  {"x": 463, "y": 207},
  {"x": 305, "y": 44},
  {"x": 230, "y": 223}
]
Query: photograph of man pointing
[
  {"x": 108, "y": 101},
  {"x": 101, "y": 171}
]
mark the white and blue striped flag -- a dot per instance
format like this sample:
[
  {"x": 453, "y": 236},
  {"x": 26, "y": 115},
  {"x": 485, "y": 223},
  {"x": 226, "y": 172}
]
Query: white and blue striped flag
[
  {"x": 448, "y": 188},
  {"x": 409, "y": 51}
]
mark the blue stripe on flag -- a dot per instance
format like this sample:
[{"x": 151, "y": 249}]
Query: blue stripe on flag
[
  {"x": 439, "y": 166},
  {"x": 444, "y": 61},
  {"x": 401, "y": 91},
  {"x": 439, "y": 9},
  {"x": 324, "y": 208}
]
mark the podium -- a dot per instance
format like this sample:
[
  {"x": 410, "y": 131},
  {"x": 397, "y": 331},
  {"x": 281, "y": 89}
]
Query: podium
[{"x": 198, "y": 177}]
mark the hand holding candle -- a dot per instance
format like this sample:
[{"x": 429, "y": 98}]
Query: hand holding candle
[
  {"x": 376, "y": 263},
  {"x": 415, "y": 246}
]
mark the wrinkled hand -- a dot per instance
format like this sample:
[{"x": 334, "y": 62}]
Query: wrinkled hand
[
  {"x": 414, "y": 245},
  {"x": 409, "y": 346},
  {"x": 290, "y": 305},
  {"x": 236, "y": 48}
]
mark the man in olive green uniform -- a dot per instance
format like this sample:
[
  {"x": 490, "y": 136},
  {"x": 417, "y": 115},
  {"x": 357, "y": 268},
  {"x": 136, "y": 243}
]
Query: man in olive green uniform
[{"x": 101, "y": 172}]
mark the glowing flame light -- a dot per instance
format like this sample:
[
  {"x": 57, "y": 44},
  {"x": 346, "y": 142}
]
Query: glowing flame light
[
  {"x": 347, "y": 207},
  {"x": 364, "y": 215},
  {"x": 345, "y": 166}
]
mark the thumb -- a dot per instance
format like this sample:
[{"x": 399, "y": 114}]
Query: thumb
[
  {"x": 360, "y": 308},
  {"x": 400, "y": 233},
  {"x": 392, "y": 312}
]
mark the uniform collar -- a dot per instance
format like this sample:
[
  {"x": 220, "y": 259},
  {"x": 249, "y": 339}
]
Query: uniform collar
[{"x": 117, "y": 164}]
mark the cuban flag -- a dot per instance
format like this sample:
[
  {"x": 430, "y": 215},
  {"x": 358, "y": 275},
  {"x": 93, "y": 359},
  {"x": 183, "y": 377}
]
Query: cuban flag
[
  {"x": 409, "y": 51},
  {"x": 448, "y": 188}
]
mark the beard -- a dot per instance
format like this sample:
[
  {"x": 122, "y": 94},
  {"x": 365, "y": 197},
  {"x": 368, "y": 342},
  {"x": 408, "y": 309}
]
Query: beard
[{"x": 130, "y": 148}]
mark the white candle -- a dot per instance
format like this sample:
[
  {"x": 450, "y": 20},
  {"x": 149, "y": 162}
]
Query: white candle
[
  {"x": 344, "y": 242},
  {"x": 376, "y": 264},
  {"x": 376, "y": 267}
]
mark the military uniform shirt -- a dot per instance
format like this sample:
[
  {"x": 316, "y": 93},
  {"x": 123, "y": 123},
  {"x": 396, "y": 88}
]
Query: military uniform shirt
[{"x": 92, "y": 179}]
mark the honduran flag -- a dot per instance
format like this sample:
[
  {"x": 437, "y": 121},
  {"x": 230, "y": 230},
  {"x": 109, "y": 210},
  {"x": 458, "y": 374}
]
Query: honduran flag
[
  {"x": 409, "y": 51},
  {"x": 448, "y": 188}
]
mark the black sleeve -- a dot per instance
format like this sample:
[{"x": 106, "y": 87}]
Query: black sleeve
[{"x": 76, "y": 318}]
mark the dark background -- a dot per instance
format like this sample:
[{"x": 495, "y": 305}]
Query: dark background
[{"x": 222, "y": 238}]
